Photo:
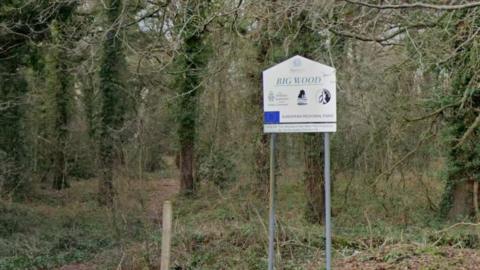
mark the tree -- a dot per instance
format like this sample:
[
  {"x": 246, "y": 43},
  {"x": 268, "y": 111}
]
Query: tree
[
  {"x": 306, "y": 42},
  {"x": 111, "y": 88},
  {"x": 461, "y": 198},
  {"x": 22, "y": 26},
  {"x": 13, "y": 87},
  {"x": 191, "y": 61},
  {"x": 59, "y": 84},
  {"x": 456, "y": 99},
  {"x": 264, "y": 45},
  {"x": 313, "y": 173}
]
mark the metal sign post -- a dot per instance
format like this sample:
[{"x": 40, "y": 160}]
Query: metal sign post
[
  {"x": 328, "y": 233},
  {"x": 299, "y": 96},
  {"x": 271, "y": 224}
]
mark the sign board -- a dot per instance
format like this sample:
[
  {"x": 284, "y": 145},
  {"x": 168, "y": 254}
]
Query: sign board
[{"x": 299, "y": 95}]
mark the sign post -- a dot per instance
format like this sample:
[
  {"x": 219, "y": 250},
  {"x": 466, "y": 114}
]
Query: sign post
[
  {"x": 271, "y": 220},
  {"x": 299, "y": 96},
  {"x": 328, "y": 227}
]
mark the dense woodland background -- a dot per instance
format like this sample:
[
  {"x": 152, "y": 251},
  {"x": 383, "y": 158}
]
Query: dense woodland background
[{"x": 108, "y": 108}]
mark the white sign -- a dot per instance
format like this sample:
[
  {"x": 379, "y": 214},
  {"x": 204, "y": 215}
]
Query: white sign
[{"x": 299, "y": 95}]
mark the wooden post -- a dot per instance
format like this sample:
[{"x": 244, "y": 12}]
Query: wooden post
[
  {"x": 475, "y": 199},
  {"x": 166, "y": 235}
]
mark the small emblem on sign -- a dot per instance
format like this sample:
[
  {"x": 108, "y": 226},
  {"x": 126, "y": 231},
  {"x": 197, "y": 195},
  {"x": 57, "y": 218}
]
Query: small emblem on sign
[
  {"x": 324, "y": 96},
  {"x": 297, "y": 62},
  {"x": 302, "y": 98},
  {"x": 271, "y": 96}
]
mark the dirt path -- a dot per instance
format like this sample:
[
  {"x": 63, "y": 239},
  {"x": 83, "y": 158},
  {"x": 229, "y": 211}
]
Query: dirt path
[{"x": 158, "y": 192}]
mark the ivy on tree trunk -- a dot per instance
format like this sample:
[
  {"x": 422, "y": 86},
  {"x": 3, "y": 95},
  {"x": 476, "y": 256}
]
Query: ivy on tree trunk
[
  {"x": 463, "y": 158},
  {"x": 191, "y": 62},
  {"x": 112, "y": 111},
  {"x": 59, "y": 83},
  {"x": 13, "y": 89}
]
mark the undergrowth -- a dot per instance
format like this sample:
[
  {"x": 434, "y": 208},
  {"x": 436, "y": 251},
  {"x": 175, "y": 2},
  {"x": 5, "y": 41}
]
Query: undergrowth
[
  {"x": 226, "y": 228},
  {"x": 66, "y": 227},
  {"x": 220, "y": 229}
]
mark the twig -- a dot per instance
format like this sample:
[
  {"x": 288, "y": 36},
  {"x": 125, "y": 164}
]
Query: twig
[
  {"x": 380, "y": 39},
  {"x": 434, "y": 112},
  {"x": 457, "y": 225},
  {"x": 369, "y": 229},
  {"x": 121, "y": 261},
  {"x": 400, "y": 161},
  {"x": 415, "y": 5}
]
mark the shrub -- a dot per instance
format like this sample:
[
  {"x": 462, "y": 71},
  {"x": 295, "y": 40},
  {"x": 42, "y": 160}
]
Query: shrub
[{"x": 218, "y": 167}]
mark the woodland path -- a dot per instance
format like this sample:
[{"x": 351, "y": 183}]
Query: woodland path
[{"x": 158, "y": 192}]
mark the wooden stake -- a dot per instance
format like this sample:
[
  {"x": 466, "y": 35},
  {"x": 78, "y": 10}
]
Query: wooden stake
[
  {"x": 166, "y": 235},
  {"x": 475, "y": 199}
]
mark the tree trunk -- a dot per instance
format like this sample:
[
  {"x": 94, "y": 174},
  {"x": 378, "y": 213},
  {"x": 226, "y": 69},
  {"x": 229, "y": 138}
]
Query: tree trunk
[
  {"x": 60, "y": 180},
  {"x": 314, "y": 182},
  {"x": 112, "y": 103},
  {"x": 261, "y": 153},
  {"x": 261, "y": 149},
  {"x": 59, "y": 84},
  {"x": 105, "y": 185},
  {"x": 186, "y": 169},
  {"x": 13, "y": 89},
  {"x": 462, "y": 200},
  {"x": 192, "y": 61},
  {"x": 463, "y": 136}
]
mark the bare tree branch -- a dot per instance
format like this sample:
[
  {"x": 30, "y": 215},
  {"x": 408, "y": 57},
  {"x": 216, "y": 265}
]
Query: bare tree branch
[
  {"x": 399, "y": 162},
  {"x": 362, "y": 37},
  {"x": 469, "y": 131},
  {"x": 434, "y": 113},
  {"x": 416, "y": 5}
]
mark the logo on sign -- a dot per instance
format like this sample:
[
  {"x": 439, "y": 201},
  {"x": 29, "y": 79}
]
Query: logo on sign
[
  {"x": 302, "y": 98},
  {"x": 297, "y": 62},
  {"x": 324, "y": 96},
  {"x": 271, "y": 96}
]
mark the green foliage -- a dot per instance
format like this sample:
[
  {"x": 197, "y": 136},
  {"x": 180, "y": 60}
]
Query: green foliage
[
  {"x": 59, "y": 84},
  {"x": 81, "y": 161},
  {"x": 16, "y": 220},
  {"x": 463, "y": 158},
  {"x": 112, "y": 89},
  {"x": 217, "y": 167},
  {"x": 26, "y": 24},
  {"x": 191, "y": 63},
  {"x": 13, "y": 88},
  {"x": 32, "y": 241}
]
